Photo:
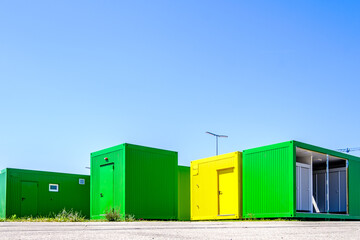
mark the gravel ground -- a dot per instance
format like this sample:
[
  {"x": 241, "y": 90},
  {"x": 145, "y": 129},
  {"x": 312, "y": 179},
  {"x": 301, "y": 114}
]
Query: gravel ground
[{"x": 182, "y": 230}]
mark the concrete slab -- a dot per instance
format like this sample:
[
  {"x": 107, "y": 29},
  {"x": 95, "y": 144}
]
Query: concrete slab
[{"x": 182, "y": 230}]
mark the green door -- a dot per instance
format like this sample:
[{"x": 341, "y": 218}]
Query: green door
[
  {"x": 29, "y": 199},
  {"x": 107, "y": 188}
]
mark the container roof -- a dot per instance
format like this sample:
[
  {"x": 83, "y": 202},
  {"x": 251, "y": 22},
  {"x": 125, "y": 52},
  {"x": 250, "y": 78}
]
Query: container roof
[
  {"x": 332, "y": 153},
  {"x": 41, "y": 172},
  {"x": 308, "y": 147},
  {"x": 122, "y": 146}
]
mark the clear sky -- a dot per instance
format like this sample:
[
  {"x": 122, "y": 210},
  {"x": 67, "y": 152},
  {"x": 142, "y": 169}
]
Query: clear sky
[{"x": 80, "y": 76}]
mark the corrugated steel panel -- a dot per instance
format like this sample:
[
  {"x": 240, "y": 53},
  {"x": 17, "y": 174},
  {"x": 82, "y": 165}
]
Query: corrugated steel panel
[
  {"x": 183, "y": 193},
  {"x": 354, "y": 189},
  {"x": 268, "y": 181},
  {"x": 3, "y": 194},
  {"x": 145, "y": 181},
  {"x": 70, "y": 195},
  {"x": 151, "y": 182},
  {"x": 207, "y": 196}
]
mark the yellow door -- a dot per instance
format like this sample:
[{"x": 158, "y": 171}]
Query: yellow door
[{"x": 226, "y": 192}]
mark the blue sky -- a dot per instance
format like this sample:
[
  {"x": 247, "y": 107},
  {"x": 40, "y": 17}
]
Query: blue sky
[{"x": 79, "y": 76}]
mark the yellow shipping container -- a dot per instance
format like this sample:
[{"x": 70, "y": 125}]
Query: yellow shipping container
[{"x": 216, "y": 187}]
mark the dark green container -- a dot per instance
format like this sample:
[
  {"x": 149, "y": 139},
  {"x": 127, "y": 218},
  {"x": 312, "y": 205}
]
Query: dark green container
[
  {"x": 272, "y": 185},
  {"x": 134, "y": 180},
  {"x": 36, "y": 193},
  {"x": 184, "y": 193}
]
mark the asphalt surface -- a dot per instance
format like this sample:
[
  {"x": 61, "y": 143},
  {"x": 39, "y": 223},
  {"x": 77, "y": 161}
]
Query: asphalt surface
[{"x": 182, "y": 230}]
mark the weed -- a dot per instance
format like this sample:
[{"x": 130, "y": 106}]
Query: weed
[
  {"x": 69, "y": 216},
  {"x": 250, "y": 216},
  {"x": 130, "y": 218},
  {"x": 113, "y": 215},
  {"x": 63, "y": 216}
]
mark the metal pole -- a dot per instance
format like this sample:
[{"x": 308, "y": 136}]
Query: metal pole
[
  {"x": 217, "y": 142},
  {"x": 311, "y": 184},
  {"x": 347, "y": 186},
  {"x": 327, "y": 184}
]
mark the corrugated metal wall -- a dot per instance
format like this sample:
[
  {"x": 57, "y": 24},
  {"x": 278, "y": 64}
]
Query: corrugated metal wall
[
  {"x": 3, "y": 194},
  {"x": 354, "y": 189},
  {"x": 151, "y": 182},
  {"x": 71, "y": 194},
  {"x": 183, "y": 193},
  {"x": 268, "y": 181}
]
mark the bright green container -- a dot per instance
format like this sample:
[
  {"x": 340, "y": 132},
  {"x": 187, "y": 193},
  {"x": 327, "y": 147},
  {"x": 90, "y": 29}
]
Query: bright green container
[
  {"x": 37, "y": 193},
  {"x": 270, "y": 182},
  {"x": 184, "y": 193},
  {"x": 3, "y": 193},
  {"x": 134, "y": 180}
]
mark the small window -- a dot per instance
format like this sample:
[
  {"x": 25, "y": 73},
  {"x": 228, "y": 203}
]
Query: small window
[
  {"x": 82, "y": 181},
  {"x": 53, "y": 187}
]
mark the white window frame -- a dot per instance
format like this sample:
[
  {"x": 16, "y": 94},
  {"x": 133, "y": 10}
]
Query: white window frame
[{"x": 53, "y": 190}]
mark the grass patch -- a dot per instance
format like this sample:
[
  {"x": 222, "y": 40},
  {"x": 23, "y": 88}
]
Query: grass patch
[
  {"x": 115, "y": 216},
  {"x": 69, "y": 216},
  {"x": 63, "y": 216},
  {"x": 130, "y": 218}
]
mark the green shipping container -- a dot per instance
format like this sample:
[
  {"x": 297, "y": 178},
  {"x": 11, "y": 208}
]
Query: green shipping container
[
  {"x": 183, "y": 193},
  {"x": 298, "y": 180},
  {"x": 37, "y": 193},
  {"x": 134, "y": 180}
]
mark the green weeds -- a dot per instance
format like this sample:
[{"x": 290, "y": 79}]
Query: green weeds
[
  {"x": 63, "y": 216},
  {"x": 130, "y": 218},
  {"x": 69, "y": 216},
  {"x": 114, "y": 215}
]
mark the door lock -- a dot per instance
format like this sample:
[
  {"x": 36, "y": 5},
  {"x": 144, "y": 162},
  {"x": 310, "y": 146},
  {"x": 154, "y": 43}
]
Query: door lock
[
  {"x": 22, "y": 199},
  {"x": 220, "y": 192},
  {"x": 101, "y": 195}
]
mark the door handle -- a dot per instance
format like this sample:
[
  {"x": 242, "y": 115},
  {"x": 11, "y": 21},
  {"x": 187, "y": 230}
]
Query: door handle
[
  {"x": 101, "y": 195},
  {"x": 22, "y": 199},
  {"x": 220, "y": 192}
]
